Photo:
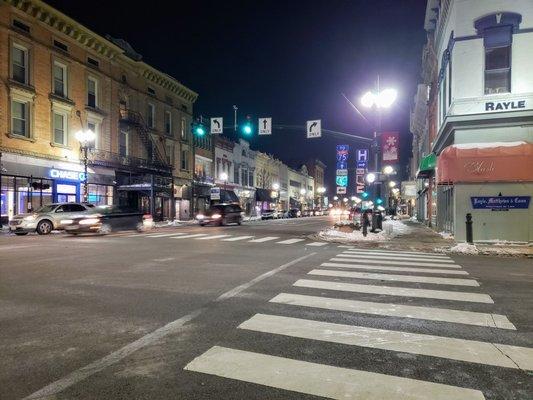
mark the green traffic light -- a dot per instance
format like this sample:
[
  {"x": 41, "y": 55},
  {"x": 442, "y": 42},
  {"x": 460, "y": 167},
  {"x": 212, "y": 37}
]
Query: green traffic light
[
  {"x": 200, "y": 131},
  {"x": 247, "y": 129},
  {"x": 379, "y": 201},
  {"x": 364, "y": 195}
]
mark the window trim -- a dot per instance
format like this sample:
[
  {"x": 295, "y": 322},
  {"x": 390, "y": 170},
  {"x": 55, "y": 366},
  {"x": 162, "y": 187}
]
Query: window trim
[
  {"x": 96, "y": 97},
  {"x": 184, "y": 161},
  {"x": 183, "y": 132},
  {"x": 121, "y": 131},
  {"x": 28, "y": 110},
  {"x": 150, "y": 117},
  {"x": 169, "y": 113},
  {"x": 509, "y": 70}
]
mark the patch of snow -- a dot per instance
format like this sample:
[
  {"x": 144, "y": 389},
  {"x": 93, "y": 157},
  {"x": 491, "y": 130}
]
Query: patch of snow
[
  {"x": 500, "y": 242},
  {"x": 464, "y": 146},
  {"x": 446, "y": 235},
  {"x": 413, "y": 219},
  {"x": 390, "y": 230},
  {"x": 464, "y": 248}
]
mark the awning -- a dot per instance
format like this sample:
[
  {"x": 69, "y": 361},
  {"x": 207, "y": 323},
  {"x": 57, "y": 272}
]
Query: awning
[
  {"x": 264, "y": 195},
  {"x": 427, "y": 166},
  {"x": 486, "y": 162}
]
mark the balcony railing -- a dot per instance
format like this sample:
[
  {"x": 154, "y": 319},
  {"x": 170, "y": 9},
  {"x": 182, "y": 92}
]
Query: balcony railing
[{"x": 114, "y": 160}]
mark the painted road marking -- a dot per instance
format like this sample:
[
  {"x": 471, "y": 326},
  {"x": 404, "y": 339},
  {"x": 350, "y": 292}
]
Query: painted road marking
[
  {"x": 345, "y": 247},
  {"x": 403, "y": 252},
  {"x": 320, "y": 380},
  {"x": 158, "y": 235},
  {"x": 396, "y": 291},
  {"x": 386, "y": 268},
  {"x": 381, "y": 257},
  {"x": 401, "y": 255},
  {"x": 212, "y": 237},
  {"x": 189, "y": 236},
  {"x": 153, "y": 337},
  {"x": 316, "y": 244},
  {"x": 396, "y": 278},
  {"x": 290, "y": 241},
  {"x": 499, "y": 355},
  {"x": 397, "y": 310},
  {"x": 234, "y": 239},
  {"x": 264, "y": 239},
  {"x": 387, "y": 262}
]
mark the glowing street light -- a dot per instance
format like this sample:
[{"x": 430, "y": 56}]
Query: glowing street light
[
  {"x": 85, "y": 137},
  {"x": 303, "y": 192},
  {"x": 383, "y": 99},
  {"x": 321, "y": 190},
  {"x": 335, "y": 198},
  {"x": 224, "y": 176},
  {"x": 371, "y": 177},
  {"x": 275, "y": 186},
  {"x": 392, "y": 184},
  {"x": 387, "y": 169}
]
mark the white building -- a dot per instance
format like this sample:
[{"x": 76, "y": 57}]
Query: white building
[{"x": 484, "y": 121}]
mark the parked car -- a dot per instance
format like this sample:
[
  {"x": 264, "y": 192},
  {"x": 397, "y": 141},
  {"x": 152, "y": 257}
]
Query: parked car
[
  {"x": 221, "y": 214},
  {"x": 106, "y": 219},
  {"x": 318, "y": 212},
  {"x": 47, "y": 218},
  {"x": 270, "y": 214},
  {"x": 307, "y": 213},
  {"x": 294, "y": 213}
]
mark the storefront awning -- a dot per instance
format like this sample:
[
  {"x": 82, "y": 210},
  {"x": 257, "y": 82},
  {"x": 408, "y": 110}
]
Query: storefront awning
[
  {"x": 264, "y": 195},
  {"x": 486, "y": 162},
  {"x": 427, "y": 166}
]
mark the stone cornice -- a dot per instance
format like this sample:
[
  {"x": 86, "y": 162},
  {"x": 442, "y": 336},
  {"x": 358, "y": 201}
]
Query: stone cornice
[{"x": 105, "y": 48}]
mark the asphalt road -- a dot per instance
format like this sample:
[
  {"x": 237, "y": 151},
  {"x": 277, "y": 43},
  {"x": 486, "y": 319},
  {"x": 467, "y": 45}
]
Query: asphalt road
[{"x": 256, "y": 312}]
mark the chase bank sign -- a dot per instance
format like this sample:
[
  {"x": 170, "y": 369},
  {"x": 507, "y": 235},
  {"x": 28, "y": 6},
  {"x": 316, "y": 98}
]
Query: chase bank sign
[{"x": 65, "y": 174}]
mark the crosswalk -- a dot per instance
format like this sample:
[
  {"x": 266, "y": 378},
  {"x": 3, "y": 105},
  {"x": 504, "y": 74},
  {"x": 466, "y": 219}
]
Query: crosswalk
[
  {"x": 226, "y": 238},
  {"x": 387, "y": 281}
]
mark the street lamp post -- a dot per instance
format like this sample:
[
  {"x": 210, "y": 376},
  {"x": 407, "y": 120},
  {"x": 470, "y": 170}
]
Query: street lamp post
[
  {"x": 377, "y": 101},
  {"x": 85, "y": 137},
  {"x": 275, "y": 188},
  {"x": 224, "y": 178},
  {"x": 321, "y": 190},
  {"x": 302, "y": 196}
]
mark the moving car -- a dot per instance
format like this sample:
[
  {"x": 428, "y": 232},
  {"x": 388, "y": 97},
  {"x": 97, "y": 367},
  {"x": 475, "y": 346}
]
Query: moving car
[
  {"x": 294, "y": 213},
  {"x": 46, "y": 218},
  {"x": 270, "y": 214},
  {"x": 221, "y": 214},
  {"x": 106, "y": 219}
]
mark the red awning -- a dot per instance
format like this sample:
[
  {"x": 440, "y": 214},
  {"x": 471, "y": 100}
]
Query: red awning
[{"x": 486, "y": 162}]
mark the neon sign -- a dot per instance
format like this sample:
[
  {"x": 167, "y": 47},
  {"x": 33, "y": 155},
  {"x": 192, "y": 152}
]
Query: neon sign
[{"x": 65, "y": 174}]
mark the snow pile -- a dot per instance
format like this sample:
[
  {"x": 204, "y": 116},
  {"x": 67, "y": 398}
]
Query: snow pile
[
  {"x": 253, "y": 218},
  {"x": 413, "y": 219},
  {"x": 464, "y": 248},
  {"x": 446, "y": 235},
  {"x": 390, "y": 230}
]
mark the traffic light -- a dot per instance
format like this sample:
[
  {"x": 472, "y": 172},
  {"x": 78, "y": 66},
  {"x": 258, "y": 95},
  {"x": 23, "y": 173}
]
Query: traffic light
[
  {"x": 198, "y": 129},
  {"x": 247, "y": 128},
  {"x": 364, "y": 195},
  {"x": 379, "y": 201}
]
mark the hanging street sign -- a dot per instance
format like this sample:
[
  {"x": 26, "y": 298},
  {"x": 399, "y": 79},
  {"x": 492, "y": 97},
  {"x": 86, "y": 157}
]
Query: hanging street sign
[
  {"x": 265, "y": 126},
  {"x": 217, "y": 125},
  {"x": 314, "y": 129},
  {"x": 215, "y": 193}
]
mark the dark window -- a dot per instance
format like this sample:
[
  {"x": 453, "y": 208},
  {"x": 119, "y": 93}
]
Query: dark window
[
  {"x": 168, "y": 99},
  {"x": 60, "y": 46},
  {"x": 124, "y": 79},
  {"x": 20, "y": 25},
  {"x": 74, "y": 207},
  {"x": 92, "y": 62},
  {"x": 498, "y": 43},
  {"x": 19, "y": 118},
  {"x": 151, "y": 91},
  {"x": 19, "y": 64},
  {"x": 59, "y": 79},
  {"x": 91, "y": 93}
]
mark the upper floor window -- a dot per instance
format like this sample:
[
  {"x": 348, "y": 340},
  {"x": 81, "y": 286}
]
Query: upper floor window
[
  {"x": 170, "y": 152},
  {"x": 123, "y": 143},
  {"x": 94, "y": 126},
  {"x": 60, "y": 128},
  {"x": 150, "y": 115},
  {"x": 168, "y": 123},
  {"x": 183, "y": 128},
  {"x": 60, "y": 45},
  {"x": 92, "y": 92},
  {"x": 20, "y": 118},
  {"x": 184, "y": 160},
  {"x": 93, "y": 62},
  {"x": 20, "y": 25},
  {"x": 498, "y": 69},
  {"x": 19, "y": 64},
  {"x": 60, "y": 79},
  {"x": 151, "y": 91}
]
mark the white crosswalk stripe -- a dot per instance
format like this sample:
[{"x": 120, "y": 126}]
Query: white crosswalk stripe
[
  {"x": 264, "y": 239},
  {"x": 212, "y": 237},
  {"x": 400, "y": 252},
  {"x": 316, "y": 244},
  {"x": 389, "y": 262},
  {"x": 237, "y": 238},
  {"x": 412, "y": 258},
  {"x": 399, "y": 255},
  {"x": 290, "y": 241},
  {"x": 194, "y": 235},
  {"x": 344, "y": 263},
  {"x": 396, "y": 291},
  {"x": 321, "y": 380},
  {"x": 499, "y": 355},
  {"x": 158, "y": 235},
  {"x": 396, "y": 278},
  {"x": 397, "y": 310}
]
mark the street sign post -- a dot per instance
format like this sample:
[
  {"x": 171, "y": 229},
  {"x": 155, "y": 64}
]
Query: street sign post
[
  {"x": 217, "y": 126},
  {"x": 265, "y": 126},
  {"x": 314, "y": 129},
  {"x": 215, "y": 193}
]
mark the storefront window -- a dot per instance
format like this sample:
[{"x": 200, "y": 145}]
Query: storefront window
[
  {"x": 100, "y": 194},
  {"x": 7, "y": 195}
]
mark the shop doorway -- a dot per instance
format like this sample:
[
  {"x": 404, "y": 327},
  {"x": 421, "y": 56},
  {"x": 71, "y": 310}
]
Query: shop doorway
[{"x": 66, "y": 192}]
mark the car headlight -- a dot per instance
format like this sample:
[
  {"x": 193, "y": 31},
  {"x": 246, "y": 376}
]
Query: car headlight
[
  {"x": 216, "y": 216},
  {"x": 200, "y": 216},
  {"x": 89, "y": 221},
  {"x": 66, "y": 221},
  {"x": 30, "y": 217}
]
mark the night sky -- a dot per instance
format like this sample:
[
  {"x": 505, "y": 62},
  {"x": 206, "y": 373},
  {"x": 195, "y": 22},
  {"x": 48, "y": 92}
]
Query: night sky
[{"x": 290, "y": 60}]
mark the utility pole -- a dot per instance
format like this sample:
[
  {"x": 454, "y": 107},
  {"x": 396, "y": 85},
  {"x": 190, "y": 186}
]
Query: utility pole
[{"x": 235, "y": 108}]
